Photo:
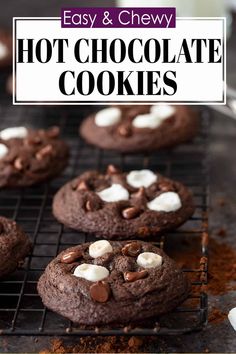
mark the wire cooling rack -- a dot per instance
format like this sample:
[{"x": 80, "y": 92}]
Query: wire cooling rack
[{"x": 21, "y": 310}]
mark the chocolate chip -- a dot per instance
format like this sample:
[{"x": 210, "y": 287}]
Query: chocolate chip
[
  {"x": 74, "y": 185},
  {"x": 140, "y": 193},
  {"x": 53, "y": 132},
  {"x": 20, "y": 164},
  {"x": 45, "y": 151},
  {"x": 124, "y": 130},
  {"x": 34, "y": 140},
  {"x": 37, "y": 140},
  {"x": 131, "y": 249},
  {"x": 93, "y": 204},
  {"x": 112, "y": 170},
  {"x": 71, "y": 256},
  {"x": 132, "y": 276},
  {"x": 100, "y": 291},
  {"x": 1, "y": 228},
  {"x": 166, "y": 187},
  {"x": 130, "y": 213},
  {"x": 82, "y": 186}
]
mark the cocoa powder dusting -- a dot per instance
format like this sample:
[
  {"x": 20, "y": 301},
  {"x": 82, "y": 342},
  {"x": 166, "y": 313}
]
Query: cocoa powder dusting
[
  {"x": 99, "y": 345},
  {"x": 221, "y": 202},
  {"x": 222, "y": 264},
  {"x": 216, "y": 316},
  {"x": 56, "y": 347},
  {"x": 222, "y": 232},
  {"x": 222, "y": 268}
]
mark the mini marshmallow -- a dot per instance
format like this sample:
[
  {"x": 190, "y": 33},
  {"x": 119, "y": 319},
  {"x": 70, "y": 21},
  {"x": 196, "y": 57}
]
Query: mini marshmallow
[
  {"x": 115, "y": 193},
  {"x": 149, "y": 120},
  {"x": 3, "y": 50},
  {"x": 91, "y": 272},
  {"x": 99, "y": 248},
  {"x": 162, "y": 111},
  {"x": 169, "y": 201},
  {"x": 15, "y": 132},
  {"x": 149, "y": 260},
  {"x": 142, "y": 178},
  {"x": 107, "y": 117},
  {"x": 3, "y": 150},
  {"x": 232, "y": 318}
]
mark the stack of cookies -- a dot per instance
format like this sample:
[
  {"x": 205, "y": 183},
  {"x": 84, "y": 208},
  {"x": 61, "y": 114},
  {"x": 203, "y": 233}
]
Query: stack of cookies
[{"x": 122, "y": 277}]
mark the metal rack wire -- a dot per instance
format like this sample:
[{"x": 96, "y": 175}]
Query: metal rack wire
[{"x": 21, "y": 310}]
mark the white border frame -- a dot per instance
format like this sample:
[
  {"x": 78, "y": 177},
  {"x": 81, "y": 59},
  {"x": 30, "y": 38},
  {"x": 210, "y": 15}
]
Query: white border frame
[{"x": 74, "y": 103}]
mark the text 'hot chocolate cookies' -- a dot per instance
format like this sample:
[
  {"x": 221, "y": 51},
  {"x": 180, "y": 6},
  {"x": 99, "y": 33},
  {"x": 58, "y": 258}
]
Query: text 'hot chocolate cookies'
[
  {"x": 134, "y": 129},
  {"x": 28, "y": 157},
  {"x": 120, "y": 205},
  {"x": 128, "y": 281},
  {"x": 14, "y": 246}
]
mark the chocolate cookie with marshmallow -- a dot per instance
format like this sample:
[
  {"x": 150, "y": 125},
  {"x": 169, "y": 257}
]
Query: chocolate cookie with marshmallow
[
  {"x": 5, "y": 49},
  {"x": 135, "y": 129},
  {"x": 118, "y": 205},
  {"x": 28, "y": 157},
  {"x": 14, "y": 246},
  {"x": 112, "y": 283}
]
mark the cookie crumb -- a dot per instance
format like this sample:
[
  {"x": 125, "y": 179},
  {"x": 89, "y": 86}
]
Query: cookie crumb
[
  {"x": 222, "y": 232},
  {"x": 221, "y": 202}
]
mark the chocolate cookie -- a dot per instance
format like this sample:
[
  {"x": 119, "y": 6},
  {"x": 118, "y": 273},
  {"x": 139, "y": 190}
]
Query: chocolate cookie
[
  {"x": 110, "y": 283},
  {"x": 28, "y": 157},
  {"x": 140, "y": 128},
  {"x": 9, "y": 85},
  {"x": 5, "y": 49},
  {"x": 14, "y": 246},
  {"x": 119, "y": 205}
]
